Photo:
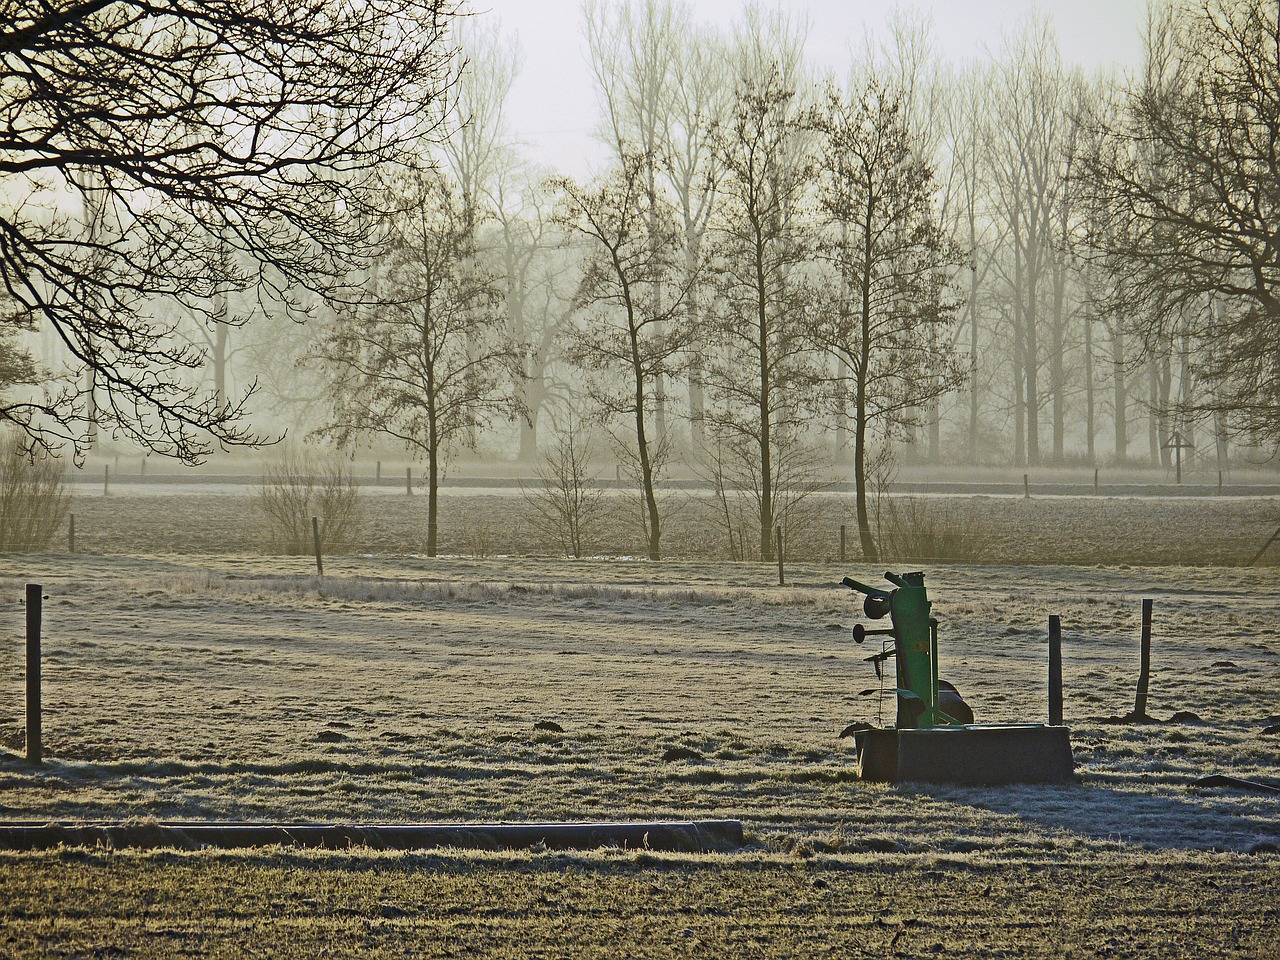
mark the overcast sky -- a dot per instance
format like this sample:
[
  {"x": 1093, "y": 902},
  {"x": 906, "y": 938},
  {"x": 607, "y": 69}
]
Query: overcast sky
[{"x": 553, "y": 107}]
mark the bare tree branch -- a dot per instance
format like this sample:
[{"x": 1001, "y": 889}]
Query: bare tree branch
[{"x": 183, "y": 129}]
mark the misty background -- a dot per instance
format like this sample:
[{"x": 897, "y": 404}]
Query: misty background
[{"x": 765, "y": 248}]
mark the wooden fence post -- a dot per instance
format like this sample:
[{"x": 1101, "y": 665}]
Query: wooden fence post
[
  {"x": 1055, "y": 670},
  {"x": 777, "y": 547},
  {"x": 315, "y": 536},
  {"x": 35, "y": 596},
  {"x": 1258, "y": 556},
  {"x": 71, "y": 533},
  {"x": 1144, "y": 666},
  {"x": 842, "y": 541}
]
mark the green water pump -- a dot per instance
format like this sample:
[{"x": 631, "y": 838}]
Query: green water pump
[{"x": 915, "y": 647}]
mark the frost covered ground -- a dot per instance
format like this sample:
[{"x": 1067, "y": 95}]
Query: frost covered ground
[{"x": 407, "y": 689}]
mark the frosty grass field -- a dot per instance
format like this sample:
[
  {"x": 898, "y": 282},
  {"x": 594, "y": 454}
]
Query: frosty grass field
[{"x": 211, "y": 685}]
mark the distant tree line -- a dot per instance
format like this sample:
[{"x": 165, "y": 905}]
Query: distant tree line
[{"x": 782, "y": 275}]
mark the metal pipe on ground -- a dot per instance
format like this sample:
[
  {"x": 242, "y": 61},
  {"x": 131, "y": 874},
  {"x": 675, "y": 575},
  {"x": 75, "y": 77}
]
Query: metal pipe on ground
[{"x": 693, "y": 836}]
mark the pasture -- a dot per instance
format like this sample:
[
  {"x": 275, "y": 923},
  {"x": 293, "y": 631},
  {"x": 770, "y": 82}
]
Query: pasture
[{"x": 401, "y": 688}]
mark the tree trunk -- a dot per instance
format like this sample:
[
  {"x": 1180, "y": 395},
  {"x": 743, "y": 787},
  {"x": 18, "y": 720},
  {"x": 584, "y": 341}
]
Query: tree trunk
[
  {"x": 1161, "y": 368},
  {"x": 697, "y": 396},
  {"x": 218, "y": 356},
  {"x": 1019, "y": 407},
  {"x": 532, "y": 393},
  {"x": 1120, "y": 394},
  {"x": 766, "y": 414},
  {"x": 660, "y": 405},
  {"x": 660, "y": 385},
  {"x": 1090, "y": 402},
  {"x": 528, "y": 451},
  {"x": 1032, "y": 399},
  {"x": 1164, "y": 431},
  {"x": 1186, "y": 385},
  {"x": 766, "y": 461},
  {"x": 697, "y": 410},
  {"x": 433, "y": 498},
  {"x": 1221, "y": 442},
  {"x": 523, "y": 386},
  {"x": 973, "y": 343},
  {"x": 1153, "y": 414},
  {"x": 865, "y": 538},
  {"x": 1058, "y": 371},
  {"x": 933, "y": 413},
  {"x": 433, "y": 466},
  {"x": 652, "y": 525},
  {"x": 1220, "y": 439},
  {"x": 646, "y": 476}
]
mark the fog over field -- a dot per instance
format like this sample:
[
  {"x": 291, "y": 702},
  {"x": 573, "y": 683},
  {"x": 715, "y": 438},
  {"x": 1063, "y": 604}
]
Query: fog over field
[{"x": 760, "y": 247}]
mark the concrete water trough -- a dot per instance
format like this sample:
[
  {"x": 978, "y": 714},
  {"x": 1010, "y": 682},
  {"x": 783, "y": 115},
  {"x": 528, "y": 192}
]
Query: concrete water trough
[{"x": 974, "y": 755}]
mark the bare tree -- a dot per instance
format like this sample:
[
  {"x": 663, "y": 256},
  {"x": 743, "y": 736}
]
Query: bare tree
[
  {"x": 568, "y": 503},
  {"x": 540, "y": 271},
  {"x": 967, "y": 135},
  {"x": 1026, "y": 180},
  {"x": 295, "y": 489},
  {"x": 479, "y": 149},
  {"x": 760, "y": 366},
  {"x": 187, "y": 125},
  {"x": 1092, "y": 280},
  {"x": 1188, "y": 172},
  {"x": 34, "y": 497},
  {"x": 629, "y": 295},
  {"x": 699, "y": 98},
  {"x": 892, "y": 262},
  {"x": 1065, "y": 297},
  {"x": 1103, "y": 305},
  {"x": 910, "y": 63},
  {"x": 632, "y": 49},
  {"x": 430, "y": 363}
]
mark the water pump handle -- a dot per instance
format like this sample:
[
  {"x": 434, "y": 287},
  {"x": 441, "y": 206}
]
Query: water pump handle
[{"x": 853, "y": 584}]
